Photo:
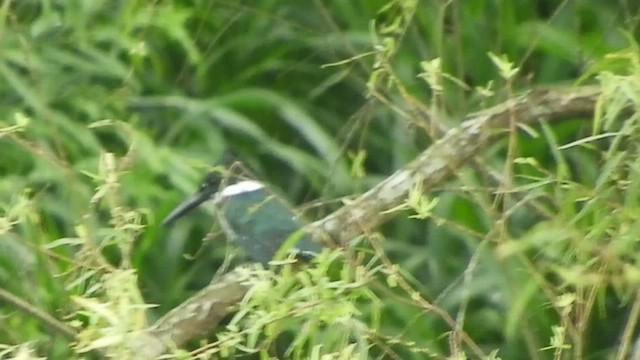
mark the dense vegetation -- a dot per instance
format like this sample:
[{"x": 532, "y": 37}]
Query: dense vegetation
[{"x": 111, "y": 111}]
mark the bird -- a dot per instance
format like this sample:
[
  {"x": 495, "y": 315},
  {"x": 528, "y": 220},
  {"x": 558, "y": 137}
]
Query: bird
[{"x": 252, "y": 216}]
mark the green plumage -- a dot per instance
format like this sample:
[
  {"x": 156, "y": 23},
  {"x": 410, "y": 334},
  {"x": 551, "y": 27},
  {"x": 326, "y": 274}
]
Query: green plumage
[{"x": 261, "y": 223}]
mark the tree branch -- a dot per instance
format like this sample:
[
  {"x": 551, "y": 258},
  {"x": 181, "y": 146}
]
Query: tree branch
[
  {"x": 433, "y": 166},
  {"x": 194, "y": 317},
  {"x": 202, "y": 312}
]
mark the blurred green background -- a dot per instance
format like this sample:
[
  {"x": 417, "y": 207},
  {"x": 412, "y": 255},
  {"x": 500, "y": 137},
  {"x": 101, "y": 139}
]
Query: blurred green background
[{"x": 322, "y": 99}]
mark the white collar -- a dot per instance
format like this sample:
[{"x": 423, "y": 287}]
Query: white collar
[{"x": 241, "y": 187}]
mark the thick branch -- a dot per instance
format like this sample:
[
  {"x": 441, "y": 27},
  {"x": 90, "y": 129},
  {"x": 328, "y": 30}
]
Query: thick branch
[
  {"x": 448, "y": 154},
  {"x": 202, "y": 312},
  {"x": 194, "y": 317}
]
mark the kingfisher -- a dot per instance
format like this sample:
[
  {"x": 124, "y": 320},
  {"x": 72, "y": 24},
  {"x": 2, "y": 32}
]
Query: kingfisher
[{"x": 251, "y": 215}]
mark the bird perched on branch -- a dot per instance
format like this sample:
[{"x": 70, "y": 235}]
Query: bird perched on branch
[{"x": 251, "y": 215}]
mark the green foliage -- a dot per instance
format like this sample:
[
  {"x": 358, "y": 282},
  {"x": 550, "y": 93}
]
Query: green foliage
[
  {"x": 110, "y": 112},
  {"x": 319, "y": 303}
]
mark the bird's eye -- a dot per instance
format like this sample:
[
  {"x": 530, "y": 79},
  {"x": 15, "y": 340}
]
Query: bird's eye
[{"x": 211, "y": 181}]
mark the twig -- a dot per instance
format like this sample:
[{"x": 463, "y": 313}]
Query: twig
[{"x": 33, "y": 311}]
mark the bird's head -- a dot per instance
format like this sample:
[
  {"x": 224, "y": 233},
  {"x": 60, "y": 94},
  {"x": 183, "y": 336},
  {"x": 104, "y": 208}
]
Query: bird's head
[{"x": 217, "y": 185}]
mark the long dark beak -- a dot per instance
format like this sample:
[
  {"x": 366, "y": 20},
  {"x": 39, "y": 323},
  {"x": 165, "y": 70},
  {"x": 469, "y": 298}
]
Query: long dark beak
[{"x": 186, "y": 206}]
